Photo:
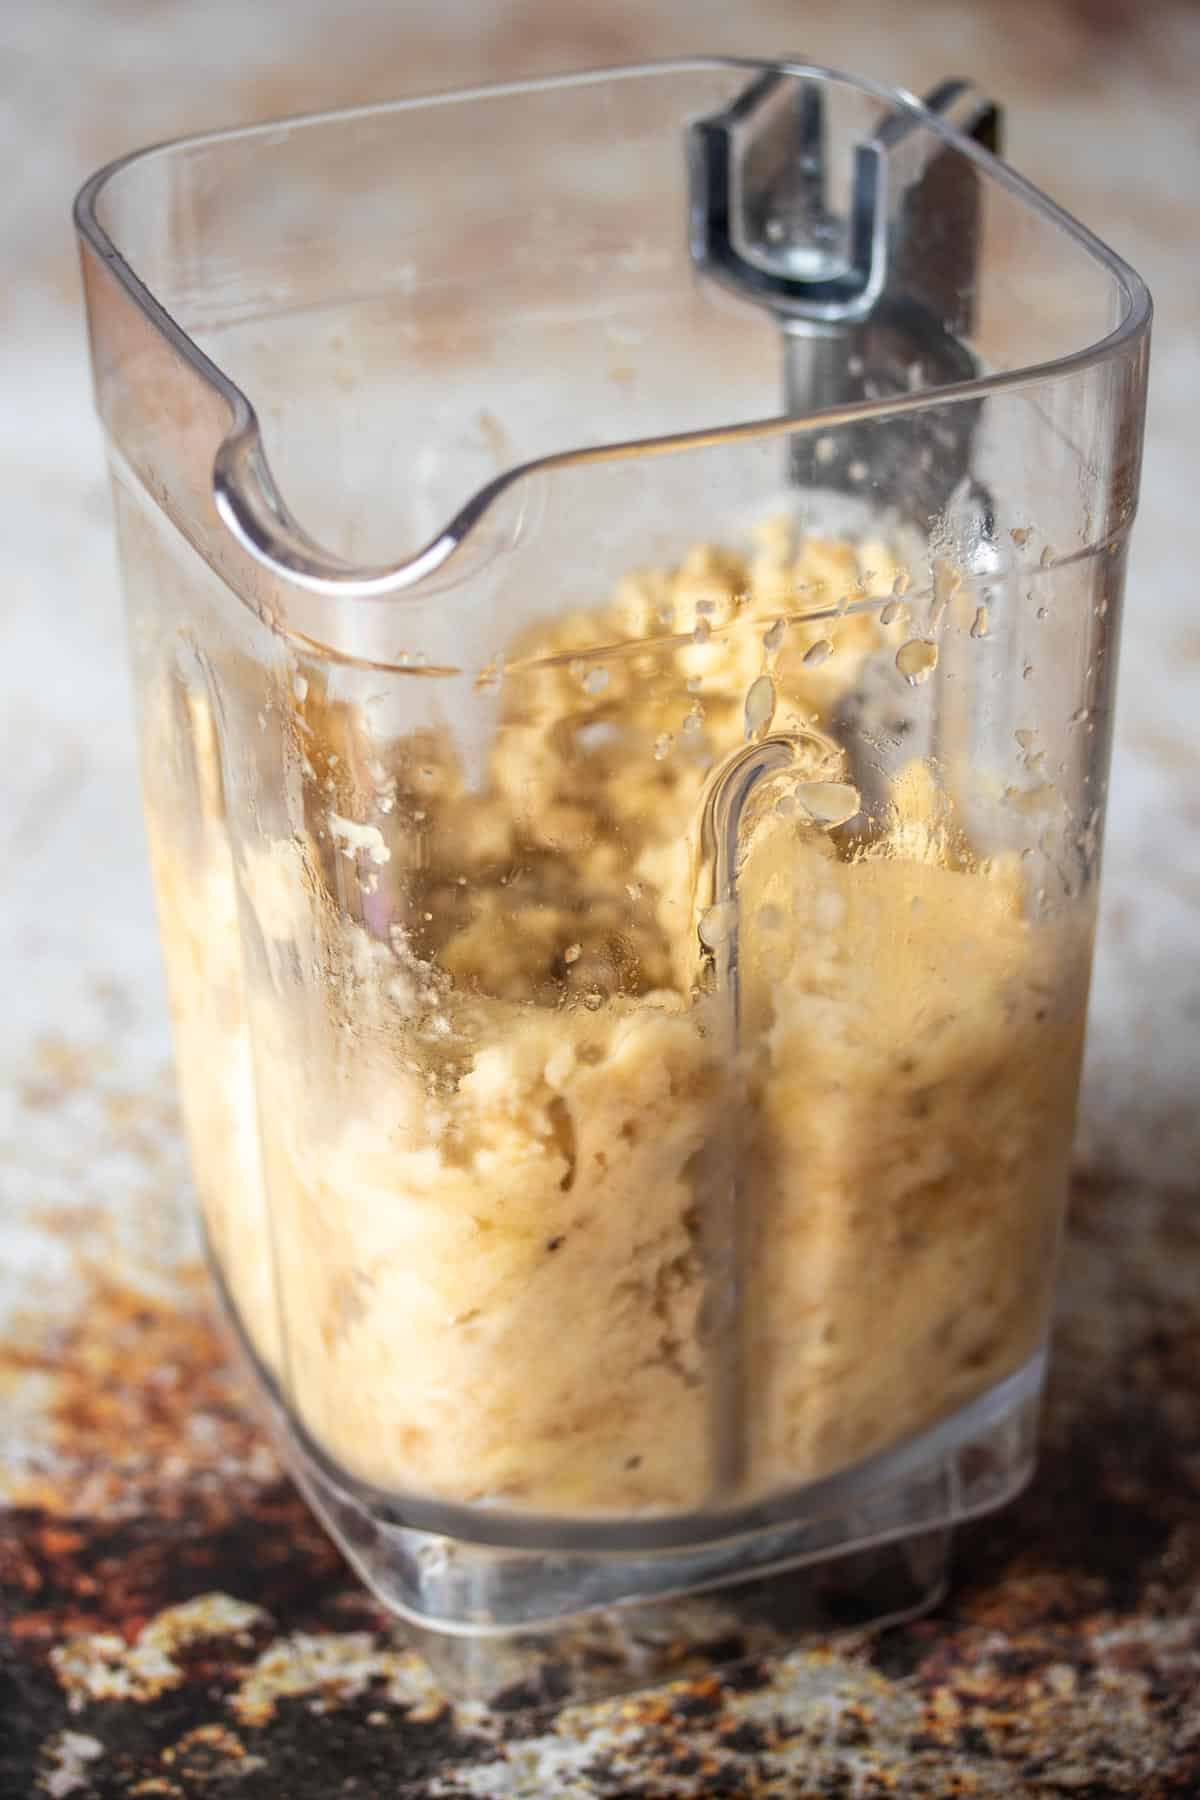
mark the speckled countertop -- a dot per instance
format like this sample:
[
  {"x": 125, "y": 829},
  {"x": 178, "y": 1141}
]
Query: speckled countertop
[{"x": 171, "y": 1621}]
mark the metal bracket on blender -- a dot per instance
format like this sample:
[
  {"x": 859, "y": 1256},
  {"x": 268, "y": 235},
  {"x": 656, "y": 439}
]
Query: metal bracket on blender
[
  {"x": 869, "y": 269},
  {"x": 873, "y": 291}
]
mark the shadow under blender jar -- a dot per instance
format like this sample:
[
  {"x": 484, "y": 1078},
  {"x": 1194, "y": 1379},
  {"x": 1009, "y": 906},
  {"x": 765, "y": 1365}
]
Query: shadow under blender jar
[{"x": 623, "y": 577}]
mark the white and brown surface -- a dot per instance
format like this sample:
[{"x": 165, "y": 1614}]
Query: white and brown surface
[{"x": 1065, "y": 1658}]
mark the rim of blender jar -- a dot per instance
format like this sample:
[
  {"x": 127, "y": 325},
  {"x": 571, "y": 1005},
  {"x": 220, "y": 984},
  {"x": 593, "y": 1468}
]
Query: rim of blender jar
[{"x": 247, "y": 498}]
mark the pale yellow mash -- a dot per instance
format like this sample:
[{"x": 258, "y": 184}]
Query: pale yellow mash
[{"x": 520, "y": 1199}]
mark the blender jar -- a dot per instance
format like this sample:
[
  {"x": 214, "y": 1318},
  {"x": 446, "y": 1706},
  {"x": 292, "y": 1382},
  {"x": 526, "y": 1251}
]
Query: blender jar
[{"x": 623, "y": 577}]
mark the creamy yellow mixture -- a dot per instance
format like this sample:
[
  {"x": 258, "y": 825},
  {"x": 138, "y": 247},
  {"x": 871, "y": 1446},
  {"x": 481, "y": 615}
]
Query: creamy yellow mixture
[{"x": 558, "y": 1219}]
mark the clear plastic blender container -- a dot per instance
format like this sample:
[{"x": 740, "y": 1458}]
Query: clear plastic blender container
[{"x": 623, "y": 577}]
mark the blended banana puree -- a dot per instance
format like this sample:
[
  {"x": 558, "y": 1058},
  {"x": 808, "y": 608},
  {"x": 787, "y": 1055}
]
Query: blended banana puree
[{"x": 524, "y": 1200}]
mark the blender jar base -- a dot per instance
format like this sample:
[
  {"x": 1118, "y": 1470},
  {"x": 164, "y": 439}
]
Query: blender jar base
[
  {"x": 646, "y": 1644},
  {"x": 521, "y": 1627}
]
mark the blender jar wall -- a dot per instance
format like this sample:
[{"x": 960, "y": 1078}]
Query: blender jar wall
[{"x": 176, "y": 611}]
